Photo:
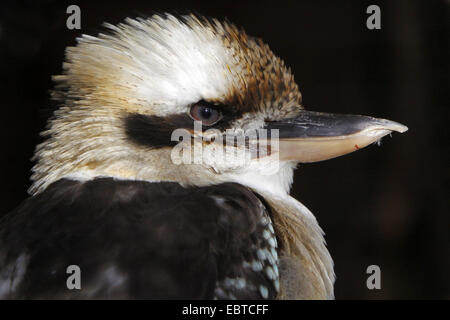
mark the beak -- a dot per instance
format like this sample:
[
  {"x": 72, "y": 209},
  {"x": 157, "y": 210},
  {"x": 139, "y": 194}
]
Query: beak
[{"x": 317, "y": 136}]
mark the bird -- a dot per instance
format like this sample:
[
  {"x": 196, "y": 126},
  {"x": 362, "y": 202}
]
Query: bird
[{"x": 109, "y": 197}]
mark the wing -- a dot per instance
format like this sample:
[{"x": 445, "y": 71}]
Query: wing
[{"x": 136, "y": 240}]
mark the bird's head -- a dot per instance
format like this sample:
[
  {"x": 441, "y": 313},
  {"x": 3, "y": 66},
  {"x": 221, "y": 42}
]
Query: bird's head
[{"x": 125, "y": 97}]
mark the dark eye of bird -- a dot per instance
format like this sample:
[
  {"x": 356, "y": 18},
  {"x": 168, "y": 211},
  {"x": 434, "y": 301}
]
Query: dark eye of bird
[{"x": 206, "y": 114}]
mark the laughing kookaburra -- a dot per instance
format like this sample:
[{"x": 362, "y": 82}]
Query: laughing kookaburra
[{"x": 110, "y": 197}]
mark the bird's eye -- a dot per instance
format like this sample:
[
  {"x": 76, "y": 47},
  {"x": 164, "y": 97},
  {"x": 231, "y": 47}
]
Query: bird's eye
[{"x": 206, "y": 114}]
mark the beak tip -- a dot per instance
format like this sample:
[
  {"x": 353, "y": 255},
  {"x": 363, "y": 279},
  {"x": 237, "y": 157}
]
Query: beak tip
[
  {"x": 400, "y": 128},
  {"x": 404, "y": 129},
  {"x": 393, "y": 126}
]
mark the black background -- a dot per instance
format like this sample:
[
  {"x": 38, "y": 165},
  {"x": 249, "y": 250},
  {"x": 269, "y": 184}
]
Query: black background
[{"x": 385, "y": 205}]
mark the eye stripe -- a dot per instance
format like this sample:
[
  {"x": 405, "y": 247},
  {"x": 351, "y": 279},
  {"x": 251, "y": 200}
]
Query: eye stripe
[{"x": 156, "y": 132}]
